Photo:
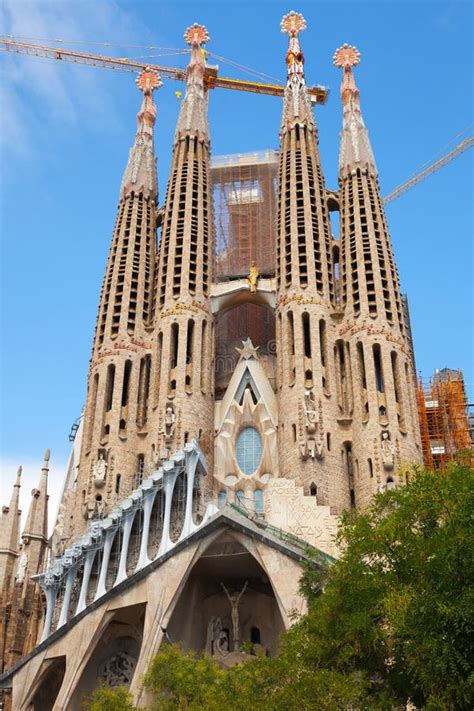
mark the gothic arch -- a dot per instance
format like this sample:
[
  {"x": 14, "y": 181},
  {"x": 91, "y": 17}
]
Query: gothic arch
[
  {"x": 225, "y": 562},
  {"x": 114, "y": 656},
  {"x": 46, "y": 691}
]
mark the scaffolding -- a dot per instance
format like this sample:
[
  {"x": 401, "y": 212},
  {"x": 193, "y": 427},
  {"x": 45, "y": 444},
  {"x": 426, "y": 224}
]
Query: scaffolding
[
  {"x": 244, "y": 192},
  {"x": 444, "y": 422},
  {"x": 244, "y": 189}
]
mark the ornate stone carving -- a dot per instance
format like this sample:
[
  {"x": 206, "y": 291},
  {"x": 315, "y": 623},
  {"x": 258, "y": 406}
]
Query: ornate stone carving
[
  {"x": 312, "y": 432},
  {"x": 118, "y": 670},
  {"x": 100, "y": 471}
]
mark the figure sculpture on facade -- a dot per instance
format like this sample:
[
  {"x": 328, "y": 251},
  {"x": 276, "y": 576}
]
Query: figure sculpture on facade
[
  {"x": 100, "y": 471},
  {"x": 253, "y": 278},
  {"x": 217, "y": 639},
  {"x": 234, "y": 600},
  {"x": 314, "y": 435},
  {"x": 169, "y": 423},
  {"x": 388, "y": 450},
  {"x": 21, "y": 570}
]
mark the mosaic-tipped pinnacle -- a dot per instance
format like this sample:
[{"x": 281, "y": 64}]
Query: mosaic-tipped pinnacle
[
  {"x": 292, "y": 23},
  {"x": 346, "y": 56}
]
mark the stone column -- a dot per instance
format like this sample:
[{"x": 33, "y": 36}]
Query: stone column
[
  {"x": 127, "y": 523},
  {"x": 109, "y": 539},
  {"x": 82, "y": 602},
  {"x": 70, "y": 577},
  {"x": 148, "y": 500}
]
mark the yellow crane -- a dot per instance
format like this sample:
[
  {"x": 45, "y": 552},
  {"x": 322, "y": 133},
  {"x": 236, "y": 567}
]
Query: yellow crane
[{"x": 318, "y": 93}]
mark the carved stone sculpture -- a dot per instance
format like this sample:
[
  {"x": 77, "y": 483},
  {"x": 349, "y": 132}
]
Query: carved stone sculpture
[
  {"x": 118, "y": 669},
  {"x": 234, "y": 599},
  {"x": 313, "y": 437},
  {"x": 21, "y": 570},
  {"x": 100, "y": 471},
  {"x": 388, "y": 450},
  {"x": 169, "y": 423},
  {"x": 253, "y": 278}
]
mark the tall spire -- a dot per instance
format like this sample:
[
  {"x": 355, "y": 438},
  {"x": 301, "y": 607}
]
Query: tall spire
[
  {"x": 296, "y": 105},
  {"x": 193, "y": 112},
  {"x": 9, "y": 532},
  {"x": 355, "y": 150},
  {"x": 36, "y": 526},
  {"x": 140, "y": 173}
]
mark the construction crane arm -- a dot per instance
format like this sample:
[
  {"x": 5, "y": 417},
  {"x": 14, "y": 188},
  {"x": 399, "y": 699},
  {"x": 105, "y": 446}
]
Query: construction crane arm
[
  {"x": 404, "y": 187},
  {"x": 318, "y": 94}
]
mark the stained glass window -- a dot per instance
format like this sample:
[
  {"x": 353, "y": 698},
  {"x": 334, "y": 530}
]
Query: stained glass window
[{"x": 249, "y": 450}]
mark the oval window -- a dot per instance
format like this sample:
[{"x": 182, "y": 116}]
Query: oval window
[{"x": 249, "y": 450}]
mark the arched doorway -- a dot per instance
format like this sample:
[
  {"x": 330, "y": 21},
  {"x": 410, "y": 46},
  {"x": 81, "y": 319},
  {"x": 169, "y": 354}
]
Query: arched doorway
[
  {"x": 226, "y": 577},
  {"x": 50, "y": 684},
  {"x": 115, "y": 655}
]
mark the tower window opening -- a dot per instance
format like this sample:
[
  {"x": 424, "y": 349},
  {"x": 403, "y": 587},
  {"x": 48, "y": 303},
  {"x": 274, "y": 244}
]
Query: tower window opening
[
  {"x": 126, "y": 382},
  {"x": 157, "y": 374},
  {"x": 93, "y": 405},
  {"x": 294, "y": 432},
  {"x": 189, "y": 342},
  {"x": 371, "y": 468},
  {"x": 174, "y": 345},
  {"x": 328, "y": 441},
  {"x": 143, "y": 390},
  {"x": 306, "y": 335},
  {"x": 203, "y": 357},
  {"x": 313, "y": 489},
  {"x": 362, "y": 381},
  {"x": 117, "y": 484},
  {"x": 378, "y": 368},
  {"x": 109, "y": 387},
  {"x": 291, "y": 347},
  {"x": 397, "y": 385}
]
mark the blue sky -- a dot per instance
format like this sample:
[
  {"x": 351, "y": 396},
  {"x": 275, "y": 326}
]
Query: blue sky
[{"x": 65, "y": 134}]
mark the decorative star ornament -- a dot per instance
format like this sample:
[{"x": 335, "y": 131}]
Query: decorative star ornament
[{"x": 248, "y": 351}]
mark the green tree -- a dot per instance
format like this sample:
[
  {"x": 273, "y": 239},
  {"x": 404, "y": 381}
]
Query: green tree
[
  {"x": 106, "y": 698},
  {"x": 397, "y": 607},
  {"x": 390, "y": 621}
]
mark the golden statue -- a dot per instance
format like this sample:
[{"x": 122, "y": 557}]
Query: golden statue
[{"x": 253, "y": 278}]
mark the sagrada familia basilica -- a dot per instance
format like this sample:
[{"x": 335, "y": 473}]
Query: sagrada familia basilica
[{"x": 194, "y": 491}]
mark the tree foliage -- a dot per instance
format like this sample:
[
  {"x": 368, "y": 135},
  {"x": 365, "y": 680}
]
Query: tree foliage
[
  {"x": 390, "y": 622},
  {"x": 106, "y": 698}
]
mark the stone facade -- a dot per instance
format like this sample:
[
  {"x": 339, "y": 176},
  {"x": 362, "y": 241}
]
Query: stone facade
[{"x": 170, "y": 483}]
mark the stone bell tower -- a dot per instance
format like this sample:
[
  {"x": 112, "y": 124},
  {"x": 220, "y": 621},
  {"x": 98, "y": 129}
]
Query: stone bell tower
[
  {"x": 305, "y": 293},
  {"x": 116, "y": 416},
  {"x": 374, "y": 354},
  {"x": 182, "y": 387}
]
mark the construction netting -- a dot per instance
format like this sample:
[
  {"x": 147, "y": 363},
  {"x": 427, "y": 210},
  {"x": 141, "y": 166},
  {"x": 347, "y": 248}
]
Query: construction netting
[{"x": 244, "y": 191}]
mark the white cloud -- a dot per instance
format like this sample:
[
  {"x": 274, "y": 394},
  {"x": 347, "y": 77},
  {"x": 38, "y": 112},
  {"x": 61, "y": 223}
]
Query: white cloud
[
  {"x": 37, "y": 91},
  {"x": 29, "y": 480}
]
